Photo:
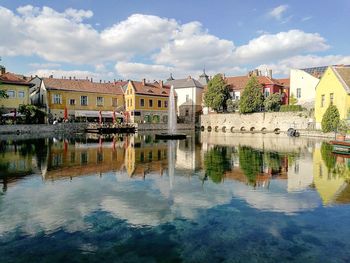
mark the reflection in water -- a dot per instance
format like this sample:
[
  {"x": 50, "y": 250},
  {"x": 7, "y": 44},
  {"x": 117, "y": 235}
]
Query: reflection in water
[{"x": 108, "y": 193}]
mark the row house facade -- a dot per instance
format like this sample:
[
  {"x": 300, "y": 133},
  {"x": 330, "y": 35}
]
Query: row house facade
[
  {"x": 269, "y": 86},
  {"x": 78, "y": 98},
  {"x": 17, "y": 90},
  {"x": 146, "y": 102}
]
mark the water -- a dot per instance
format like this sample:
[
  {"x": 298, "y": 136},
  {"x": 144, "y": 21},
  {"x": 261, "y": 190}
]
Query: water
[
  {"x": 209, "y": 198},
  {"x": 171, "y": 112}
]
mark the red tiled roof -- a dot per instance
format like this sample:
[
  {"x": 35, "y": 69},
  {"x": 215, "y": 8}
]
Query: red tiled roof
[
  {"x": 284, "y": 82},
  {"x": 151, "y": 88},
  {"x": 84, "y": 85},
  {"x": 11, "y": 78},
  {"x": 239, "y": 82}
]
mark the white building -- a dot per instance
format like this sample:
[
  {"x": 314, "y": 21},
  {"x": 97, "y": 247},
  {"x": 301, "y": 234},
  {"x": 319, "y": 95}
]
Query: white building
[
  {"x": 189, "y": 97},
  {"x": 303, "y": 84}
]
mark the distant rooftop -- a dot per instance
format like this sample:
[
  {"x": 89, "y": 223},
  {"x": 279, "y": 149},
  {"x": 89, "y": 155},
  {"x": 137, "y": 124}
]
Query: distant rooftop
[{"x": 318, "y": 71}]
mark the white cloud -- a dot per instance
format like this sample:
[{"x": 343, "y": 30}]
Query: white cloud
[
  {"x": 44, "y": 65},
  {"x": 277, "y": 12},
  {"x": 192, "y": 47},
  {"x": 275, "y": 46},
  {"x": 138, "y": 71},
  {"x": 306, "y": 18},
  {"x": 283, "y": 66},
  {"x": 166, "y": 44}
]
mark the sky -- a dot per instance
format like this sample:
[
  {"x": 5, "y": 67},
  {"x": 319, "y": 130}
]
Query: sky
[{"x": 150, "y": 39}]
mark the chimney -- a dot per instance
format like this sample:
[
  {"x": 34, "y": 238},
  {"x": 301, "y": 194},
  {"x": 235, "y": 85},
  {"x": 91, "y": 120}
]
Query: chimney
[
  {"x": 256, "y": 72},
  {"x": 100, "y": 80},
  {"x": 70, "y": 78},
  {"x": 91, "y": 80},
  {"x": 189, "y": 77},
  {"x": 51, "y": 76},
  {"x": 260, "y": 73},
  {"x": 270, "y": 73},
  {"x": 74, "y": 77},
  {"x": 161, "y": 83},
  {"x": 143, "y": 82},
  {"x": 3, "y": 70}
]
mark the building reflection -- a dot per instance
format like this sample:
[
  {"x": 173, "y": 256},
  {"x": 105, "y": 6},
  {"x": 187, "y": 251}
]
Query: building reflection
[{"x": 256, "y": 163}]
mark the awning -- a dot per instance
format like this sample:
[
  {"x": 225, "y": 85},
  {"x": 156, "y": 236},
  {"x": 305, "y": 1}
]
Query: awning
[
  {"x": 96, "y": 114},
  {"x": 12, "y": 114}
]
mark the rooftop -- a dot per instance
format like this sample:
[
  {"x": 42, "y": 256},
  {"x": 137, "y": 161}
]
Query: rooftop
[
  {"x": 155, "y": 89},
  {"x": 10, "y": 78},
  {"x": 239, "y": 82},
  {"x": 184, "y": 83},
  {"x": 343, "y": 73},
  {"x": 83, "y": 85}
]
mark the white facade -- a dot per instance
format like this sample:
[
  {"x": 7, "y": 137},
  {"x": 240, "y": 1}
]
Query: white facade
[{"x": 303, "y": 87}]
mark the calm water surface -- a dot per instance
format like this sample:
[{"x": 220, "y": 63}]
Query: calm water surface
[{"x": 209, "y": 198}]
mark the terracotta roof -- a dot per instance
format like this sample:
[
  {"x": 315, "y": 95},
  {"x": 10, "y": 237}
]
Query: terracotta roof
[
  {"x": 239, "y": 82},
  {"x": 11, "y": 78},
  {"x": 284, "y": 82},
  {"x": 343, "y": 73},
  {"x": 83, "y": 85},
  {"x": 151, "y": 88}
]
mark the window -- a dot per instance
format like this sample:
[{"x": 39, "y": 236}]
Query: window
[
  {"x": 131, "y": 103},
  {"x": 150, "y": 103},
  {"x": 84, "y": 100},
  {"x": 57, "y": 99},
  {"x": 266, "y": 93},
  {"x": 99, "y": 101},
  {"x": 166, "y": 104},
  {"x": 72, "y": 102},
  {"x": 187, "y": 112},
  {"x": 11, "y": 93},
  {"x": 137, "y": 113},
  {"x": 20, "y": 94},
  {"x": 142, "y": 102},
  {"x": 127, "y": 103},
  {"x": 159, "y": 103},
  {"x": 114, "y": 102},
  {"x": 84, "y": 158},
  {"x": 322, "y": 100},
  {"x": 331, "y": 98},
  {"x": 187, "y": 98},
  {"x": 298, "y": 93}
]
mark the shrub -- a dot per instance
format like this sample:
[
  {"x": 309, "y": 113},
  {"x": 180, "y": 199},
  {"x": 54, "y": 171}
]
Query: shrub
[
  {"x": 285, "y": 108},
  {"x": 232, "y": 105},
  {"x": 330, "y": 119},
  {"x": 273, "y": 102}
]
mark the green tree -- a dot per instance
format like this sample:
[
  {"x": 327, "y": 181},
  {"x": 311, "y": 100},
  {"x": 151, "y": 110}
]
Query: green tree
[
  {"x": 251, "y": 163},
  {"x": 217, "y": 94},
  {"x": 32, "y": 113},
  {"x": 330, "y": 119},
  {"x": 216, "y": 163},
  {"x": 273, "y": 102},
  {"x": 292, "y": 100},
  {"x": 252, "y": 98},
  {"x": 3, "y": 94},
  {"x": 232, "y": 105}
]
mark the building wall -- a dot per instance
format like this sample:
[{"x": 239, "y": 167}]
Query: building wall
[
  {"x": 327, "y": 85},
  {"x": 307, "y": 83},
  {"x": 268, "y": 120},
  {"x": 58, "y": 109},
  {"x": 13, "y": 103},
  {"x": 133, "y": 103}
]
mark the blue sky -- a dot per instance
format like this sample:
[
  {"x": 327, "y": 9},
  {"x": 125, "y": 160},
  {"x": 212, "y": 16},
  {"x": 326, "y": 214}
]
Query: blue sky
[{"x": 135, "y": 39}]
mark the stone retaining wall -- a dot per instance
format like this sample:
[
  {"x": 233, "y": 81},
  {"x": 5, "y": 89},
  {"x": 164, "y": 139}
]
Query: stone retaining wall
[
  {"x": 162, "y": 126},
  {"x": 43, "y": 128},
  {"x": 268, "y": 121}
]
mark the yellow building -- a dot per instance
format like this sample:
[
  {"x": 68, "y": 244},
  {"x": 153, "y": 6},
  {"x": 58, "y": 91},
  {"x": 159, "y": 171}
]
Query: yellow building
[
  {"x": 330, "y": 174},
  {"x": 17, "y": 90},
  {"x": 145, "y": 156},
  {"x": 81, "y": 98},
  {"x": 146, "y": 102},
  {"x": 333, "y": 88}
]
